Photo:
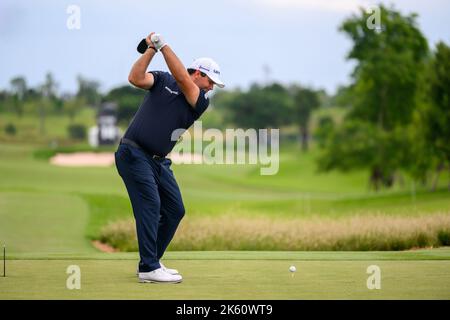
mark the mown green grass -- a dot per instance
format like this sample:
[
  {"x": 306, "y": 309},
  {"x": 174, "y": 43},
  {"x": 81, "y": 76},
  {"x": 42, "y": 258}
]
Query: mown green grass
[
  {"x": 417, "y": 274},
  {"x": 43, "y": 222},
  {"x": 105, "y": 209},
  {"x": 215, "y": 191},
  {"x": 434, "y": 254},
  {"x": 49, "y": 214},
  {"x": 264, "y": 277}
]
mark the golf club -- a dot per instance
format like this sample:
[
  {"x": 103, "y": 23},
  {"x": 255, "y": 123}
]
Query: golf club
[{"x": 142, "y": 46}]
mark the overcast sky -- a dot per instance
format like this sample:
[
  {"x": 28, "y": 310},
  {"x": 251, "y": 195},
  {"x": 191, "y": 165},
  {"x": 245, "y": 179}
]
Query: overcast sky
[{"x": 289, "y": 41}]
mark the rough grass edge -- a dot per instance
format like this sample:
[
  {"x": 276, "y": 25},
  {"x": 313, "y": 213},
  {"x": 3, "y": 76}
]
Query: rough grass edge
[{"x": 357, "y": 233}]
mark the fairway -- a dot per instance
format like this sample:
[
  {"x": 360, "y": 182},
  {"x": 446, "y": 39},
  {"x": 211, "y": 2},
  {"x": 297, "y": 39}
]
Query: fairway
[
  {"x": 33, "y": 222},
  {"x": 420, "y": 274}
]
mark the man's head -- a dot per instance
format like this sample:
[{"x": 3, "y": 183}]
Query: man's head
[{"x": 205, "y": 73}]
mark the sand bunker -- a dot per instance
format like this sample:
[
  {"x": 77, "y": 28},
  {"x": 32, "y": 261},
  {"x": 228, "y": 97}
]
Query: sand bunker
[
  {"x": 106, "y": 159},
  {"x": 83, "y": 159}
]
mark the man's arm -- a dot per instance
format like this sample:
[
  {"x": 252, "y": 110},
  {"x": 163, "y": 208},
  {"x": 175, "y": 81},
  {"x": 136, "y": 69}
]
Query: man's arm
[
  {"x": 190, "y": 90},
  {"x": 139, "y": 76}
]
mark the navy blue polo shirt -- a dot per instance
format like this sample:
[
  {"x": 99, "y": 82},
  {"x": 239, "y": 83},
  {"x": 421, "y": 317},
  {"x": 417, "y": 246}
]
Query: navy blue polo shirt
[{"x": 163, "y": 110}]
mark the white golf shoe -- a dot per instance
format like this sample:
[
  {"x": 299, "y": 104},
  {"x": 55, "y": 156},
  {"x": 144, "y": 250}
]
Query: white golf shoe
[
  {"x": 159, "y": 276},
  {"x": 168, "y": 270}
]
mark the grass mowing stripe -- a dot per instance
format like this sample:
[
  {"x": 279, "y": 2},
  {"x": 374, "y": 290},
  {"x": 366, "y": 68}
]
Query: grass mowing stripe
[
  {"x": 104, "y": 209},
  {"x": 41, "y": 222},
  {"x": 231, "y": 279},
  {"x": 423, "y": 254}
]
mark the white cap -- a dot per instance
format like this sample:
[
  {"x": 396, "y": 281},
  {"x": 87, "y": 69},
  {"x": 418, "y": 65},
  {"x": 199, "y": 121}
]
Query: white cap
[{"x": 210, "y": 68}]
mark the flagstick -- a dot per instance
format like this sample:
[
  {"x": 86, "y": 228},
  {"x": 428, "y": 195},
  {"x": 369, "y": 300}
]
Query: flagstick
[{"x": 4, "y": 261}]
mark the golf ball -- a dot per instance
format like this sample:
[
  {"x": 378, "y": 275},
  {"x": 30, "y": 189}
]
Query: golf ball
[{"x": 292, "y": 269}]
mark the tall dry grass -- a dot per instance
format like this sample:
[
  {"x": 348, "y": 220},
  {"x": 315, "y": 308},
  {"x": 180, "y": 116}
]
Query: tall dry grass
[{"x": 357, "y": 233}]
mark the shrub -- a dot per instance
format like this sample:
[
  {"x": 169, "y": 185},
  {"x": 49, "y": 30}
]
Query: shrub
[
  {"x": 120, "y": 235},
  {"x": 357, "y": 233},
  {"x": 77, "y": 131},
  {"x": 10, "y": 129},
  {"x": 444, "y": 237}
]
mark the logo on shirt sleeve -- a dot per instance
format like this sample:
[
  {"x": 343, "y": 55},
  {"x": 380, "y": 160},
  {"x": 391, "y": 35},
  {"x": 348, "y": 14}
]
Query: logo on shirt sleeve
[{"x": 171, "y": 91}]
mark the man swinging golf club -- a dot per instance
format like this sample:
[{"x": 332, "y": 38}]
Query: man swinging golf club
[{"x": 173, "y": 101}]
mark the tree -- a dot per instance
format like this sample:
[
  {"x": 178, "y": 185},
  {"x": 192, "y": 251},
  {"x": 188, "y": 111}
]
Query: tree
[
  {"x": 128, "y": 100},
  {"x": 88, "y": 91},
  {"x": 343, "y": 97},
  {"x": 305, "y": 101},
  {"x": 220, "y": 105},
  {"x": 356, "y": 145},
  {"x": 260, "y": 107},
  {"x": 325, "y": 128},
  {"x": 19, "y": 86},
  {"x": 389, "y": 64},
  {"x": 48, "y": 92},
  {"x": 72, "y": 105},
  {"x": 19, "y": 90},
  {"x": 436, "y": 113},
  {"x": 385, "y": 91},
  {"x": 50, "y": 86}
]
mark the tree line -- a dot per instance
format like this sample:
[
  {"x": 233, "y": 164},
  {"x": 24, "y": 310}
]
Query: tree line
[{"x": 45, "y": 99}]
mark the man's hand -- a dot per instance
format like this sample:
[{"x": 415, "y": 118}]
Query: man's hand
[
  {"x": 157, "y": 41},
  {"x": 139, "y": 76},
  {"x": 148, "y": 41}
]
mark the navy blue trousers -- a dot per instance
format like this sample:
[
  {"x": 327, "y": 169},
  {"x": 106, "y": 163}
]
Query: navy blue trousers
[{"x": 156, "y": 200}]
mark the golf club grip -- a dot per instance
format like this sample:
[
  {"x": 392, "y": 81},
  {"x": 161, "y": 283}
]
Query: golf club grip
[{"x": 142, "y": 46}]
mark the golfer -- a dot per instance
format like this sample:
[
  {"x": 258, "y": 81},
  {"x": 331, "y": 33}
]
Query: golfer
[{"x": 174, "y": 101}]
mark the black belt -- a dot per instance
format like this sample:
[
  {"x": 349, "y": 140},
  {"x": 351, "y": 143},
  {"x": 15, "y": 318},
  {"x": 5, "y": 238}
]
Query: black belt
[{"x": 134, "y": 144}]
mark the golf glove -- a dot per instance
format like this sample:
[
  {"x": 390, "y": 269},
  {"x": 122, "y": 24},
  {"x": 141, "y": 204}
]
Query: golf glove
[{"x": 158, "y": 41}]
